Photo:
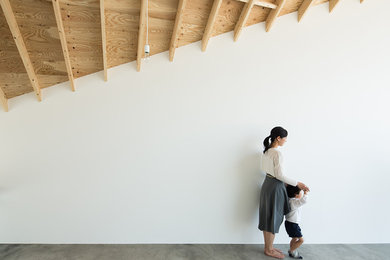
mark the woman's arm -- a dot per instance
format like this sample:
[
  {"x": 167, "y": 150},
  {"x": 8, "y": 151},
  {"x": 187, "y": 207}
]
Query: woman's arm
[{"x": 279, "y": 172}]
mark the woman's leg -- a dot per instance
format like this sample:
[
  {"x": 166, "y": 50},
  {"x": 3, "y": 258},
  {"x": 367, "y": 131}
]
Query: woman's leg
[{"x": 269, "y": 246}]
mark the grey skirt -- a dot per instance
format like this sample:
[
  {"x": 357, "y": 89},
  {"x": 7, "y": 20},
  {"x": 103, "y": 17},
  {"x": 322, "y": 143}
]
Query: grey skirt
[{"x": 273, "y": 205}]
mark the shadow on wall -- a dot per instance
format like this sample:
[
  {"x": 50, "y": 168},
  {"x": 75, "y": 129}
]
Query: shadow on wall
[{"x": 250, "y": 178}]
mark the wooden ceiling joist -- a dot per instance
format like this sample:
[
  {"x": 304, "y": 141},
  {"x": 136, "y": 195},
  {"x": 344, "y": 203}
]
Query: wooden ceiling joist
[
  {"x": 243, "y": 18},
  {"x": 210, "y": 23},
  {"x": 64, "y": 45},
  {"x": 104, "y": 42},
  {"x": 141, "y": 32},
  {"x": 332, "y": 4},
  {"x": 261, "y": 3},
  {"x": 4, "y": 100},
  {"x": 10, "y": 17},
  {"x": 306, "y": 4},
  {"x": 176, "y": 28},
  {"x": 274, "y": 14}
]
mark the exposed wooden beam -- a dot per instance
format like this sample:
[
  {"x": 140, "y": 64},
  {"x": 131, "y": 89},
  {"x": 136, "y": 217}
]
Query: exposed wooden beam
[
  {"x": 210, "y": 23},
  {"x": 176, "y": 28},
  {"x": 4, "y": 100},
  {"x": 274, "y": 14},
  {"x": 332, "y": 4},
  {"x": 243, "y": 18},
  {"x": 64, "y": 45},
  {"x": 104, "y": 43},
  {"x": 262, "y": 3},
  {"x": 10, "y": 17},
  {"x": 304, "y": 7},
  {"x": 361, "y": 1},
  {"x": 141, "y": 33}
]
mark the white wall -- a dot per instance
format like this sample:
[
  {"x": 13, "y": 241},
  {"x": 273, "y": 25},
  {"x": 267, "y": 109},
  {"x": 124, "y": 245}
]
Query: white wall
[{"x": 171, "y": 154}]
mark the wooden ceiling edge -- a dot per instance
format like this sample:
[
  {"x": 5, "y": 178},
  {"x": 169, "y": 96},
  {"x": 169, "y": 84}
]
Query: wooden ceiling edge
[
  {"x": 361, "y": 1},
  {"x": 4, "y": 100},
  {"x": 332, "y": 4},
  {"x": 243, "y": 18},
  {"x": 274, "y": 14},
  {"x": 156, "y": 53},
  {"x": 11, "y": 21},
  {"x": 261, "y": 3},
  {"x": 64, "y": 45},
  {"x": 210, "y": 23},
  {"x": 176, "y": 29},
  {"x": 104, "y": 41},
  {"x": 306, "y": 4},
  {"x": 141, "y": 33}
]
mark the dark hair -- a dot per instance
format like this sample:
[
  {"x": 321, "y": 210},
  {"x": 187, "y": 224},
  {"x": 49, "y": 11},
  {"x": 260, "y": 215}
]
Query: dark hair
[
  {"x": 292, "y": 191},
  {"x": 275, "y": 132}
]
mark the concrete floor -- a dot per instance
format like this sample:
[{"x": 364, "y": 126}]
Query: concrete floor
[{"x": 187, "y": 252}]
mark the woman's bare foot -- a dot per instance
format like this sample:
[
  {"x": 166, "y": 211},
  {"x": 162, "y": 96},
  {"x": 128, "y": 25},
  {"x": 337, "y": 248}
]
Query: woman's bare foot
[
  {"x": 280, "y": 251},
  {"x": 274, "y": 253}
]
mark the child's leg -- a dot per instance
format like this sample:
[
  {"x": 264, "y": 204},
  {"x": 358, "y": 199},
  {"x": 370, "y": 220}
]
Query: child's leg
[{"x": 295, "y": 243}]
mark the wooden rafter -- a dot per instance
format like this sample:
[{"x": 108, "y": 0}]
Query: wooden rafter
[
  {"x": 261, "y": 3},
  {"x": 243, "y": 18},
  {"x": 4, "y": 100},
  {"x": 274, "y": 14},
  {"x": 9, "y": 16},
  {"x": 306, "y": 4},
  {"x": 210, "y": 23},
  {"x": 64, "y": 45},
  {"x": 176, "y": 28},
  {"x": 141, "y": 33},
  {"x": 332, "y": 4},
  {"x": 104, "y": 43}
]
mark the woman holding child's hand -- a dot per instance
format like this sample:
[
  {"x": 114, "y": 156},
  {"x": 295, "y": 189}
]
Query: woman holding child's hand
[
  {"x": 302, "y": 186},
  {"x": 273, "y": 196}
]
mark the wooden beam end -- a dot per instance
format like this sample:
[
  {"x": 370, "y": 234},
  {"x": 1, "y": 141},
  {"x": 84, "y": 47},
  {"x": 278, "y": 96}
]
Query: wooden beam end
[
  {"x": 5, "y": 104},
  {"x": 237, "y": 32},
  {"x": 171, "y": 53},
  {"x": 138, "y": 66}
]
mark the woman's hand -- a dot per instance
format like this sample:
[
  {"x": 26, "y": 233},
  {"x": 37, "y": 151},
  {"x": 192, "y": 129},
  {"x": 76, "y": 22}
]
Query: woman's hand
[{"x": 302, "y": 186}]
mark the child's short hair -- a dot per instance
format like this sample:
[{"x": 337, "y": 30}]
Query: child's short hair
[{"x": 292, "y": 191}]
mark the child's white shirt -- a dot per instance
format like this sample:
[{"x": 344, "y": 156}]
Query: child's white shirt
[{"x": 295, "y": 215}]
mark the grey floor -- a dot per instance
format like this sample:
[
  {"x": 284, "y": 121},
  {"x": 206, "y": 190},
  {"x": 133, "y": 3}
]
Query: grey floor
[{"x": 190, "y": 252}]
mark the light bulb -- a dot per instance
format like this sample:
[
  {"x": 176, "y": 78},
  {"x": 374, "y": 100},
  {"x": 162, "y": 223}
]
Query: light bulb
[{"x": 147, "y": 52}]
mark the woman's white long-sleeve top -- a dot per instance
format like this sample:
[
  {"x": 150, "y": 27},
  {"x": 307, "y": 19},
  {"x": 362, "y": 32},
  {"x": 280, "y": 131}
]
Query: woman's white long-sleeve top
[{"x": 271, "y": 163}]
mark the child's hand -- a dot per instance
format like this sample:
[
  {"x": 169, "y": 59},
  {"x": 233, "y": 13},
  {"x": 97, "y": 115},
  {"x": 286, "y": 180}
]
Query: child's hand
[{"x": 305, "y": 192}]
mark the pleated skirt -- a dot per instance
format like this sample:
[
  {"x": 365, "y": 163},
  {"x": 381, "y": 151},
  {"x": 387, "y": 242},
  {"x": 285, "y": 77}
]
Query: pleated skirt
[{"x": 273, "y": 205}]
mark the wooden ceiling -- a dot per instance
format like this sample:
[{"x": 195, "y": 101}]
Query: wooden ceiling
[{"x": 46, "y": 42}]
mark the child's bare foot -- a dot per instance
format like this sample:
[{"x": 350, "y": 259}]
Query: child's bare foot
[{"x": 274, "y": 253}]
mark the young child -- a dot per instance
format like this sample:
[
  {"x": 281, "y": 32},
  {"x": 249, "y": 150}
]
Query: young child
[{"x": 296, "y": 200}]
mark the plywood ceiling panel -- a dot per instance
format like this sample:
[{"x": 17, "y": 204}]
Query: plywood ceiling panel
[
  {"x": 38, "y": 27},
  {"x": 81, "y": 20},
  {"x": 82, "y": 27},
  {"x": 13, "y": 76}
]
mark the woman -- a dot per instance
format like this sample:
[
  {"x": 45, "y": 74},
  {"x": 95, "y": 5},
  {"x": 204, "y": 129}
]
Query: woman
[{"x": 273, "y": 196}]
